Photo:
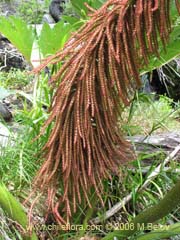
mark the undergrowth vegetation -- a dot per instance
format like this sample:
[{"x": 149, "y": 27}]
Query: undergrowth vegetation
[
  {"x": 147, "y": 115},
  {"x": 14, "y": 79},
  {"x": 33, "y": 11}
]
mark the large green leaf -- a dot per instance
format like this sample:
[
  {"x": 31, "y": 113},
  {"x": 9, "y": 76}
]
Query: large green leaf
[
  {"x": 172, "y": 50},
  {"x": 53, "y": 39},
  {"x": 14, "y": 210},
  {"x": 19, "y": 34}
]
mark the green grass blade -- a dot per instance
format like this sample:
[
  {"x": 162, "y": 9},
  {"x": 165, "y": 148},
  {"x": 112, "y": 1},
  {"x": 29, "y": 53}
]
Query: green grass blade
[
  {"x": 14, "y": 210},
  {"x": 161, "y": 233}
]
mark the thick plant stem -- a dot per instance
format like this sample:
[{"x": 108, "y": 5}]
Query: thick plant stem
[
  {"x": 151, "y": 215},
  {"x": 15, "y": 211}
]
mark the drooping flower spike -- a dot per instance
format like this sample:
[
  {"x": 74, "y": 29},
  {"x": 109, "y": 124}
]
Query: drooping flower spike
[{"x": 100, "y": 71}]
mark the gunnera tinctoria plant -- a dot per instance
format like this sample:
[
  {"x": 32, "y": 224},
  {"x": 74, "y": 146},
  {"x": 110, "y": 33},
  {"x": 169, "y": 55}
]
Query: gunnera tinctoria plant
[{"x": 100, "y": 71}]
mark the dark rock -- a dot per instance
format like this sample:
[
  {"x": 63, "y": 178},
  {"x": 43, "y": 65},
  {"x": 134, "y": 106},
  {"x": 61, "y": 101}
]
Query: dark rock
[
  {"x": 10, "y": 57},
  {"x": 5, "y": 113},
  {"x": 169, "y": 80},
  {"x": 56, "y": 9},
  {"x": 163, "y": 81}
]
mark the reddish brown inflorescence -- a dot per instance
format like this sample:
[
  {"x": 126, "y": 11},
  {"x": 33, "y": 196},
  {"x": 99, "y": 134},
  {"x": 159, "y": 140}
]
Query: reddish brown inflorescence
[{"x": 100, "y": 71}]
